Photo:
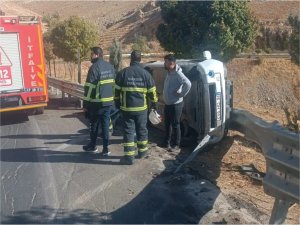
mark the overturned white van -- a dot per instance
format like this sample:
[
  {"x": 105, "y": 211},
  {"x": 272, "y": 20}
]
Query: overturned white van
[{"x": 207, "y": 106}]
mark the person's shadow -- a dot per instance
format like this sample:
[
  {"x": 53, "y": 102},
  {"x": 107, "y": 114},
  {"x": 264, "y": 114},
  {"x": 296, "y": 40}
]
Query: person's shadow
[{"x": 37, "y": 155}]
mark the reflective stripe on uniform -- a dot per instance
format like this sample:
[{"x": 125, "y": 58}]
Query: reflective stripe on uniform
[
  {"x": 124, "y": 91},
  {"x": 90, "y": 86},
  {"x": 103, "y": 99},
  {"x": 129, "y": 153},
  {"x": 143, "y": 149},
  {"x": 142, "y": 145},
  {"x": 129, "y": 144},
  {"x": 117, "y": 87},
  {"x": 151, "y": 89},
  {"x": 108, "y": 81},
  {"x": 133, "y": 109},
  {"x": 142, "y": 142},
  {"x": 143, "y": 90},
  {"x": 124, "y": 98},
  {"x": 97, "y": 97},
  {"x": 110, "y": 124}
]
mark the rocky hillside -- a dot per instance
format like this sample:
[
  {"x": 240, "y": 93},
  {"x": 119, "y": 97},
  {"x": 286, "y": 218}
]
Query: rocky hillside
[{"x": 127, "y": 19}]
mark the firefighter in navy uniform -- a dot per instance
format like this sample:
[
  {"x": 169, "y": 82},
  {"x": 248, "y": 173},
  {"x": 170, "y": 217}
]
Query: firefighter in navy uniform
[
  {"x": 134, "y": 87},
  {"x": 98, "y": 99}
]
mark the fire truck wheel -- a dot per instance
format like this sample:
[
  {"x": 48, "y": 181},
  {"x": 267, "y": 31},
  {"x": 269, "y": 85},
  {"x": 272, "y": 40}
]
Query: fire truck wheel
[{"x": 39, "y": 110}]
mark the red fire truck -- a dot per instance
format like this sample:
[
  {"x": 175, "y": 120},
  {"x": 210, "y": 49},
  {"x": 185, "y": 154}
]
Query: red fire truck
[{"x": 23, "y": 84}]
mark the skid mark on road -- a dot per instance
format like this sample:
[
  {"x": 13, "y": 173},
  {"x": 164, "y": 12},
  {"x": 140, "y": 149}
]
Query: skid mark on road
[
  {"x": 5, "y": 194},
  {"x": 32, "y": 199},
  {"x": 16, "y": 172}
]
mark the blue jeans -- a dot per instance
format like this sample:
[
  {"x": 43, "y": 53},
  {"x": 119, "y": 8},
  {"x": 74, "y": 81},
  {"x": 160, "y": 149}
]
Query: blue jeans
[{"x": 102, "y": 116}]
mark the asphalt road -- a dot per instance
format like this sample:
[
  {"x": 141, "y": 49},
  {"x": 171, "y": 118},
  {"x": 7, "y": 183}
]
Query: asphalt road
[{"x": 47, "y": 178}]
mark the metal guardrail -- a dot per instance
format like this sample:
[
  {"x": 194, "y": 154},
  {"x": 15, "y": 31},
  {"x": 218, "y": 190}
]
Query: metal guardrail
[
  {"x": 68, "y": 87},
  {"x": 280, "y": 147}
]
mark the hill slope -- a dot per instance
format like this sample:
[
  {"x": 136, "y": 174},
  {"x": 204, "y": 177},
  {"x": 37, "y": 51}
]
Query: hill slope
[{"x": 126, "y": 19}]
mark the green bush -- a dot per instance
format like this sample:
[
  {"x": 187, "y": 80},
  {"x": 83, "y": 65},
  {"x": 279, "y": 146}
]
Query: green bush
[
  {"x": 141, "y": 44},
  {"x": 115, "y": 54}
]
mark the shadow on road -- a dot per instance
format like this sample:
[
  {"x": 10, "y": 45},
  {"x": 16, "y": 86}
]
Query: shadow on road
[
  {"x": 10, "y": 118},
  {"x": 38, "y": 155},
  {"x": 70, "y": 139},
  {"x": 45, "y": 214},
  {"x": 168, "y": 199}
]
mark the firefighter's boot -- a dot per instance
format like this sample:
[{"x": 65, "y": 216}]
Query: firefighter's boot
[{"x": 127, "y": 160}]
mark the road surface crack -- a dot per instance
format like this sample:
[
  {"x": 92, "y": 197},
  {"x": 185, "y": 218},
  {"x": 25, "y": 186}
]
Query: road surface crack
[
  {"x": 16, "y": 172},
  {"x": 32, "y": 199}
]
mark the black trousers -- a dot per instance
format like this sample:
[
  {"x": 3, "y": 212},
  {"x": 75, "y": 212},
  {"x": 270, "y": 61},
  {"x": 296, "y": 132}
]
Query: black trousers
[
  {"x": 135, "y": 123},
  {"x": 172, "y": 114}
]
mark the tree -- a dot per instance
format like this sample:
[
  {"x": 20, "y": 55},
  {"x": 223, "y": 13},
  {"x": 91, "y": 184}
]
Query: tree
[
  {"x": 115, "y": 54},
  {"x": 51, "y": 20},
  {"x": 72, "y": 40},
  {"x": 223, "y": 27},
  {"x": 294, "y": 39},
  {"x": 72, "y": 35},
  {"x": 49, "y": 55}
]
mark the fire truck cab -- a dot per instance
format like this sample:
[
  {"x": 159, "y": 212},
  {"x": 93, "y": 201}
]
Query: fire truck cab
[{"x": 23, "y": 83}]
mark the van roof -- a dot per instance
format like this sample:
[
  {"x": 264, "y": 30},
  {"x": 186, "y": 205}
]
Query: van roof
[{"x": 178, "y": 61}]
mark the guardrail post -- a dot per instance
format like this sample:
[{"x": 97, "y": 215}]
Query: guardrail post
[
  {"x": 279, "y": 212},
  {"x": 63, "y": 95},
  {"x": 57, "y": 91}
]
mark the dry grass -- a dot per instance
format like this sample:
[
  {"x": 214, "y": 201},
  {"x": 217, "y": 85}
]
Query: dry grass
[
  {"x": 274, "y": 10},
  {"x": 266, "y": 87},
  {"x": 124, "y": 19}
]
